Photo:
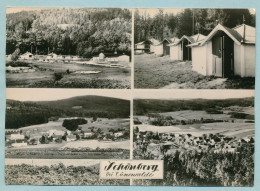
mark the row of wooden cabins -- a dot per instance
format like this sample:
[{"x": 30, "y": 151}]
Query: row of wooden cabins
[{"x": 224, "y": 52}]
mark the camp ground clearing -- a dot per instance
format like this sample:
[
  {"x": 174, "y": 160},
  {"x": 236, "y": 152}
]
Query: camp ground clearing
[
  {"x": 224, "y": 59},
  {"x": 50, "y": 71}
]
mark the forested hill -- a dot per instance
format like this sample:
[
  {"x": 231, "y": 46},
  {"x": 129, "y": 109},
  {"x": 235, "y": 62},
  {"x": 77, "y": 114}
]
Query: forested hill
[
  {"x": 167, "y": 25},
  {"x": 70, "y": 31},
  {"x": 21, "y": 114},
  {"x": 92, "y": 104},
  {"x": 145, "y": 106}
]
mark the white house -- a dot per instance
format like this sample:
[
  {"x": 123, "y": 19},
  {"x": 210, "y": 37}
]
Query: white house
[
  {"x": 118, "y": 134},
  {"x": 88, "y": 134},
  {"x": 56, "y": 132},
  {"x": 226, "y": 52},
  {"x": 26, "y": 56},
  {"x": 179, "y": 49}
]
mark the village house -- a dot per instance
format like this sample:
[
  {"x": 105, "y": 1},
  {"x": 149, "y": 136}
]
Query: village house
[
  {"x": 226, "y": 52},
  {"x": 56, "y": 132},
  {"x": 118, "y": 134},
  {"x": 26, "y": 56},
  {"x": 88, "y": 134},
  {"x": 179, "y": 49},
  {"x": 70, "y": 138}
]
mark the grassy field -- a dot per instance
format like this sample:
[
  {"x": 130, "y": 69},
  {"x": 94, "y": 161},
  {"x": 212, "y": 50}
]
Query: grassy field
[
  {"x": 67, "y": 153},
  {"x": 57, "y": 174},
  {"x": 103, "y": 123},
  {"x": 43, "y": 77},
  {"x": 160, "y": 72},
  {"x": 228, "y": 129}
]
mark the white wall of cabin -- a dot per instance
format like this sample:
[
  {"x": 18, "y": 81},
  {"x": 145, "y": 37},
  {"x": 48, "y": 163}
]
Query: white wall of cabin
[{"x": 249, "y": 56}]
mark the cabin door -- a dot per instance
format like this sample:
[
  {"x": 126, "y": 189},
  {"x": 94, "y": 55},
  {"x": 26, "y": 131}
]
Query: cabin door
[
  {"x": 166, "y": 49},
  {"x": 186, "y": 50},
  {"x": 228, "y": 56},
  {"x": 217, "y": 56},
  {"x": 223, "y": 56}
]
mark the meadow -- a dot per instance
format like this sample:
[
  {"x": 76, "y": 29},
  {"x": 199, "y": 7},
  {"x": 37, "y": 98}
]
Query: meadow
[{"x": 44, "y": 77}]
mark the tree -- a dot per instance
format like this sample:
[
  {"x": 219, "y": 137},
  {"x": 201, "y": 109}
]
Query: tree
[{"x": 15, "y": 55}]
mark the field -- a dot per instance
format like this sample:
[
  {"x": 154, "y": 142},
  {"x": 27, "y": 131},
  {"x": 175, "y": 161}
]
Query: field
[
  {"x": 229, "y": 129},
  {"x": 160, "y": 72},
  {"x": 57, "y": 174},
  {"x": 43, "y": 77},
  {"x": 236, "y": 128},
  {"x": 103, "y": 123}
]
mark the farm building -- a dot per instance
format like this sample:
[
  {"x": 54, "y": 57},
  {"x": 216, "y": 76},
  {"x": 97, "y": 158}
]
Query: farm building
[
  {"x": 179, "y": 49},
  {"x": 26, "y": 56},
  {"x": 226, "y": 52}
]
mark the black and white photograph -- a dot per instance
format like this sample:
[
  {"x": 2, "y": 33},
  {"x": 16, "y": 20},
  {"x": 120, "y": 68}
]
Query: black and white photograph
[
  {"x": 68, "y": 47},
  {"x": 194, "y": 48},
  {"x": 56, "y": 137},
  {"x": 205, "y": 138}
]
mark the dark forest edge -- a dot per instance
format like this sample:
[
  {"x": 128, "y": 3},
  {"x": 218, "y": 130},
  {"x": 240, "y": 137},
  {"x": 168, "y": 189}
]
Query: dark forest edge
[{"x": 21, "y": 114}]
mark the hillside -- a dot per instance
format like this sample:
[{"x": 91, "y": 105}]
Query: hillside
[
  {"x": 23, "y": 114},
  {"x": 145, "y": 106},
  {"x": 69, "y": 31}
]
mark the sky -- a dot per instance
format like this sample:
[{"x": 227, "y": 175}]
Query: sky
[
  {"x": 192, "y": 94},
  {"x": 38, "y": 94}
]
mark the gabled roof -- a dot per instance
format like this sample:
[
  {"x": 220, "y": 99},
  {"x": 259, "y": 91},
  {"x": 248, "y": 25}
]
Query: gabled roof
[
  {"x": 239, "y": 34},
  {"x": 143, "y": 42},
  {"x": 247, "y": 32},
  {"x": 192, "y": 39},
  {"x": 154, "y": 41}
]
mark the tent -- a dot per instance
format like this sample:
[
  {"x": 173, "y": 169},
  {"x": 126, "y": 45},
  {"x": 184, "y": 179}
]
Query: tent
[{"x": 226, "y": 52}]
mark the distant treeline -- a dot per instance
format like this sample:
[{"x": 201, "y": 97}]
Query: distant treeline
[
  {"x": 70, "y": 31},
  {"x": 164, "y": 25},
  {"x": 146, "y": 106},
  {"x": 23, "y": 114}
]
